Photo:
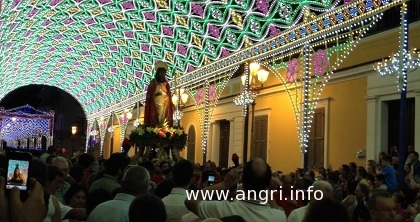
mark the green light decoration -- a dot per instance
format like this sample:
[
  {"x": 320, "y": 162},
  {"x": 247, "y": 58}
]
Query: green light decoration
[{"x": 99, "y": 51}]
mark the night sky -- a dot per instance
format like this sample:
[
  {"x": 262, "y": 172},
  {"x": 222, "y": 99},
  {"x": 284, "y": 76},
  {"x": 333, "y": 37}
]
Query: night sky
[{"x": 34, "y": 95}]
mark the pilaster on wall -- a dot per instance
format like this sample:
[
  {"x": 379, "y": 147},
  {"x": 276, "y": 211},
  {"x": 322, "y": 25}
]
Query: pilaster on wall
[
  {"x": 238, "y": 137},
  {"x": 371, "y": 149},
  {"x": 213, "y": 152}
]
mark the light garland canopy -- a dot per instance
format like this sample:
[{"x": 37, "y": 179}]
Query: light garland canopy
[{"x": 104, "y": 51}]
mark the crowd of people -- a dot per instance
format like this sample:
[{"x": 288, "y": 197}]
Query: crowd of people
[{"x": 115, "y": 189}]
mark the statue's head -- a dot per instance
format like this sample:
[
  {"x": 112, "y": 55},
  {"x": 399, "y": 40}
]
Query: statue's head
[
  {"x": 160, "y": 74},
  {"x": 161, "y": 68}
]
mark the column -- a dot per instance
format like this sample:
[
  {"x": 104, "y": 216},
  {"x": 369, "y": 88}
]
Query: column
[
  {"x": 238, "y": 137},
  {"x": 371, "y": 146},
  {"x": 215, "y": 142}
]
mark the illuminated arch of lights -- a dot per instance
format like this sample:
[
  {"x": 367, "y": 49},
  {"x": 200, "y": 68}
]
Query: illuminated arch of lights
[{"x": 103, "y": 51}]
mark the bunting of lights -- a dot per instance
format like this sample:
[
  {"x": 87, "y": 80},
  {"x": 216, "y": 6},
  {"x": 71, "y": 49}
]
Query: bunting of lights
[
  {"x": 98, "y": 50},
  {"x": 404, "y": 61},
  {"x": 123, "y": 117},
  {"x": 103, "y": 124},
  {"x": 283, "y": 41},
  {"x": 205, "y": 100},
  {"x": 26, "y": 123},
  {"x": 304, "y": 72}
]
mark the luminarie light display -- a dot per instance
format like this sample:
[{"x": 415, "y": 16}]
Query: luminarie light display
[
  {"x": 20, "y": 124},
  {"x": 99, "y": 50}
]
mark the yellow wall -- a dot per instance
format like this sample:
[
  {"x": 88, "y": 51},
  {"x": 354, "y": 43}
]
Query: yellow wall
[
  {"x": 347, "y": 121},
  {"x": 116, "y": 142},
  {"x": 191, "y": 118},
  {"x": 347, "y": 126},
  {"x": 283, "y": 144}
]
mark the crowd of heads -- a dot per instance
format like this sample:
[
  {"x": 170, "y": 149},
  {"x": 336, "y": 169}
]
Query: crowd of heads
[{"x": 350, "y": 193}]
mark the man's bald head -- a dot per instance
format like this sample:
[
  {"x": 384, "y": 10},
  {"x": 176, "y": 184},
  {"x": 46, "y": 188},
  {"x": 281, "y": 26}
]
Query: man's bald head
[
  {"x": 256, "y": 175},
  {"x": 136, "y": 181},
  {"x": 326, "y": 189}
]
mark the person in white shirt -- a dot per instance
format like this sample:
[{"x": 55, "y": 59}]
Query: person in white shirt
[
  {"x": 297, "y": 215},
  {"x": 174, "y": 202},
  {"x": 135, "y": 182},
  {"x": 256, "y": 178}
]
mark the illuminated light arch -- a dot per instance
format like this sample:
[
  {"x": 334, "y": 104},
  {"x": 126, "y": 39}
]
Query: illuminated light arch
[
  {"x": 305, "y": 89},
  {"x": 100, "y": 50}
]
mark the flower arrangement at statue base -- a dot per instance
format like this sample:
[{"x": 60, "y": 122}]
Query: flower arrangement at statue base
[{"x": 163, "y": 138}]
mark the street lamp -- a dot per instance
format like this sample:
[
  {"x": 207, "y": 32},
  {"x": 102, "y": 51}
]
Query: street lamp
[
  {"x": 252, "y": 80},
  {"x": 179, "y": 99},
  {"x": 73, "y": 130},
  {"x": 256, "y": 77},
  {"x": 73, "y": 133}
]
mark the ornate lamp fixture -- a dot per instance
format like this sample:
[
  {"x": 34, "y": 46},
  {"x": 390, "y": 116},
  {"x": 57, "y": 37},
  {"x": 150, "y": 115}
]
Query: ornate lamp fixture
[
  {"x": 179, "y": 99},
  {"x": 252, "y": 80}
]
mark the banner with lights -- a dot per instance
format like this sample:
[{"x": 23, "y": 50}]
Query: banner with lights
[{"x": 23, "y": 127}]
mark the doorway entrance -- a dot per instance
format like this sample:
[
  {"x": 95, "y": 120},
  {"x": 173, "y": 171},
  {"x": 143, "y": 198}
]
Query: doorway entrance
[{"x": 224, "y": 143}]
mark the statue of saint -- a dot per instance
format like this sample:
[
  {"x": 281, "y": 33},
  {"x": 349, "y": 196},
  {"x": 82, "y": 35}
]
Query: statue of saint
[
  {"x": 17, "y": 176},
  {"x": 159, "y": 106}
]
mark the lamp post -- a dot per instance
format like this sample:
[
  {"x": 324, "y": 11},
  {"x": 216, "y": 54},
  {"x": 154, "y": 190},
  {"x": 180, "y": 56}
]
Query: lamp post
[
  {"x": 252, "y": 80},
  {"x": 73, "y": 133},
  {"x": 179, "y": 99}
]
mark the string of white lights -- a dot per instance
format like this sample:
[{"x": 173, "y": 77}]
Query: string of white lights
[{"x": 402, "y": 62}]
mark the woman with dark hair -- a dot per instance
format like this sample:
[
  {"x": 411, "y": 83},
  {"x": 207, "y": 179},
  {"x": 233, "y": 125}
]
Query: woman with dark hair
[{"x": 76, "y": 196}]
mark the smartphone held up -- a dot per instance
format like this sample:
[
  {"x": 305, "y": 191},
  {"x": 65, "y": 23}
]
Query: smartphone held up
[{"x": 18, "y": 168}]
